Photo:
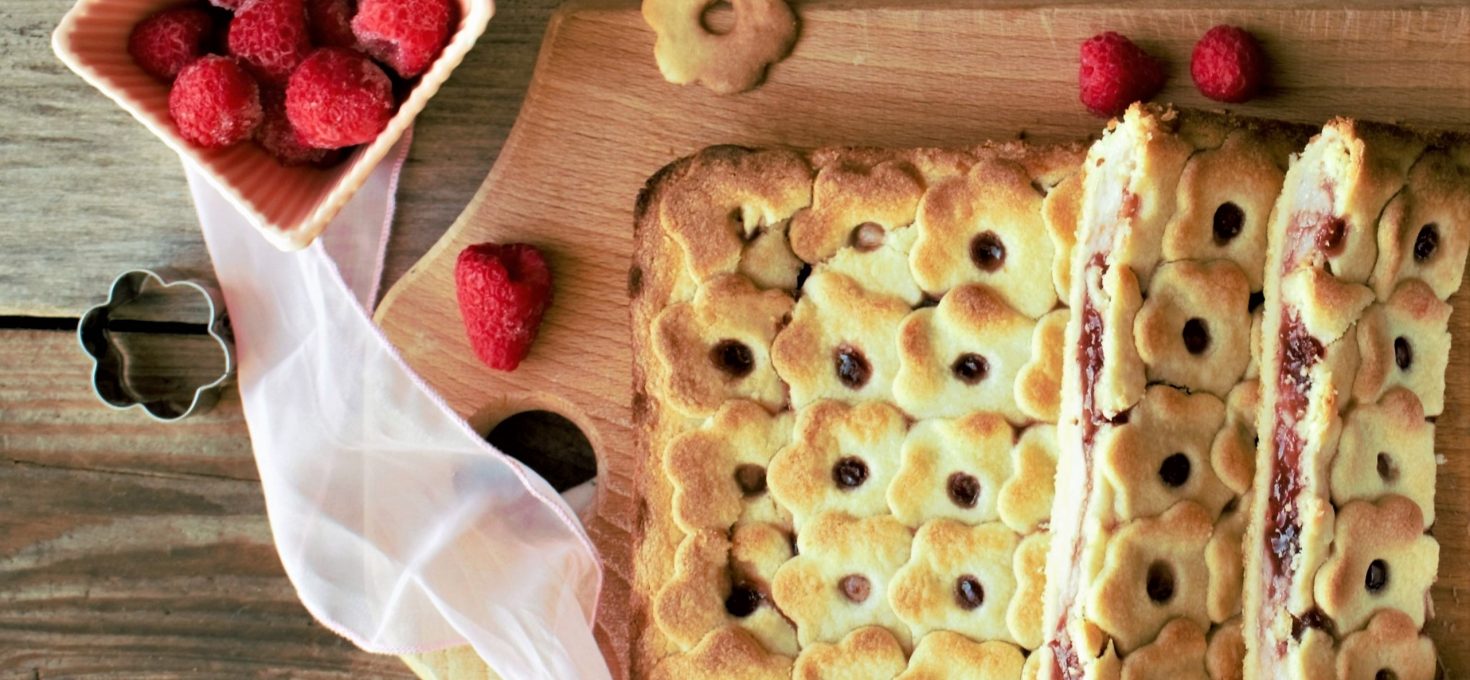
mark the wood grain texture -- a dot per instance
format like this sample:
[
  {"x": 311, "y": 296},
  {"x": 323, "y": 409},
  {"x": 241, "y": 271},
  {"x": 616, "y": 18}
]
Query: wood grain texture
[{"x": 598, "y": 121}]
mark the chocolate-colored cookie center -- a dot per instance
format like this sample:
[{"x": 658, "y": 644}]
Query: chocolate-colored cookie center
[
  {"x": 751, "y": 478},
  {"x": 850, "y": 473},
  {"x": 733, "y": 357},
  {"x": 1403, "y": 354},
  {"x": 743, "y": 600},
  {"x": 987, "y": 252},
  {"x": 964, "y": 489},
  {"x": 1174, "y": 471},
  {"x": 970, "y": 368},
  {"x": 1196, "y": 336},
  {"x": 1160, "y": 582},
  {"x": 1229, "y": 220},
  {"x": 855, "y": 587},
  {"x": 1385, "y": 674},
  {"x": 1376, "y": 578},
  {"x": 852, "y": 367},
  {"x": 968, "y": 592},
  {"x": 1387, "y": 470},
  {"x": 1426, "y": 242},
  {"x": 866, "y": 237}
]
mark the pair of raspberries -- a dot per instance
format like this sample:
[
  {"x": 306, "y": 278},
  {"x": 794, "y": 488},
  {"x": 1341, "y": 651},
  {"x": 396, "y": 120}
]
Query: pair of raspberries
[
  {"x": 298, "y": 76},
  {"x": 1227, "y": 65}
]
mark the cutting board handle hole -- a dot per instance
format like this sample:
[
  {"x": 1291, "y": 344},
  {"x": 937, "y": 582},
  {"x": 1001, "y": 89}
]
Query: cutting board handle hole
[
  {"x": 718, "y": 17},
  {"x": 548, "y": 443}
]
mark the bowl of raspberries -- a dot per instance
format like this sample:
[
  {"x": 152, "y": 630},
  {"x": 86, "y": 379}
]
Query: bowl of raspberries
[{"x": 285, "y": 105}]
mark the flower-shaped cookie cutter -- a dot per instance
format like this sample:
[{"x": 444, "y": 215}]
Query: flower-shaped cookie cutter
[{"x": 110, "y": 379}]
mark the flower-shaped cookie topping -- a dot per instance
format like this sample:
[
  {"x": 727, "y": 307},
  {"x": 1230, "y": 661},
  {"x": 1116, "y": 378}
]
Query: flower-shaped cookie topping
[
  {"x": 1405, "y": 342},
  {"x": 841, "y": 342},
  {"x": 1060, "y": 209},
  {"x": 1390, "y": 643},
  {"x": 726, "y": 198},
  {"x": 720, "y": 582},
  {"x": 1422, "y": 234},
  {"x": 857, "y": 225},
  {"x": 952, "y": 468},
  {"x": 1233, "y": 453},
  {"x": 869, "y": 653},
  {"x": 943, "y": 655},
  {"x": 728, "y": 652},
  {"x": 1194, "y": 328},
  {"x": 1025, "y": 498},
  {"x": 717, "y": 347},
  {"x": 1023, "y": 617},
  {"x": 960, "y": 579},
  {"x": 843, "y": 458},
  {"x": 1178, "y": 653},
  {"x": 1154, "y": 571},
  {"x": 1225, "y": 562},
  {"x": 1162, "y": 454},
  {"x": 962, "y": 356},
  {"x": 1116, "y": 296},
  {"x": 1039, "y": 382},
  {"x": 838, "y": 581},
  {"x": 1225, "y": 655},
  {"x": 1380, "y": 559},
  {"x": 719, "y": 470},
  {"x": 1386, "y": 448},
  {"x": 986, "y": 227}
]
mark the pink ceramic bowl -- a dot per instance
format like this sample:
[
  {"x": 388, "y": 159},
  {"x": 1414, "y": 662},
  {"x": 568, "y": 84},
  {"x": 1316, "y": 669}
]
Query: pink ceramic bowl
[{"x": 290, "y": 205}]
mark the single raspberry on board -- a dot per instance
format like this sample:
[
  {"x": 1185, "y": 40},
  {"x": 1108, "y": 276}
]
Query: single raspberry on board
[
  {"x": 503, "y": 292},
  {"x": 1115, "y": 73},
  {"x": 271, "y": 36},
  {"x": 404, "y": 34},
  {"x": 215, "y": 102},
  {"x": 279, "y": 138},
  {"x": 331, "y": 22},
  {"x": 339, "y": 98},
  {"x": 1228, "y": 64},
  {"x": 166, "y": 42}
]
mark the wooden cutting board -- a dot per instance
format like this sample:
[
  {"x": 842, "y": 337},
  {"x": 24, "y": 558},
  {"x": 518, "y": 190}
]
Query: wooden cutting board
[{"x": 598, "y": 120}]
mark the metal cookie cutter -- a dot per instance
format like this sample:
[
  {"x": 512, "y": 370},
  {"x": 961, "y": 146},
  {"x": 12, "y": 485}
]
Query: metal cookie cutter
[{"x": 109, "y": 362}]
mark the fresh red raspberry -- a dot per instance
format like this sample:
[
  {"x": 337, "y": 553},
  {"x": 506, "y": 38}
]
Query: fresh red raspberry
[
  {"x": 503, "y": 292},
  {"x": 215, "y": 102},
  {"x": 1115, "y": 73},
  {"x": 404, "y": 34},
  {"x": 331, "y": 22},
  {"x": 280, "y": 140},
  {"x": 166, "y": 42},
  {"x": 339, "y": 98},
  {"x": 1228, "y": 64},
  {"x": 270, "y": 36}
]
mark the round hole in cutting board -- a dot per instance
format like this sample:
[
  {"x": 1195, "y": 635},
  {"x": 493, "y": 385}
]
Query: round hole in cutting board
[
  {"x": 549, "y": 444},
  {"x": 718, "y": 17}
]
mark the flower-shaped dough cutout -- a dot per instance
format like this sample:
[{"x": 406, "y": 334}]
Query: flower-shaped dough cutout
[
  {"x": 1225, "y": 562},
  {"x": 725, "y": 61},
  {"x": 841, "y": 343},
  {"x": 717, "y": 347},
  {"x": 721, "y": 582},
  {"x": 1154, "y": 571},
  {"x": 1233, "y": 452},
  {"x": 962, "y": 356},
  {"x": 1162, "y": 454},
  {"x": 1178, "y": 652},
  {"x": 1386, "y": 448},
  {"x": 729, "y": 653},
  {"x": 943, "y": 655},
  {"x": 718, "y": 471},
  {"x": 1114, "y": 297},
  {"x": 959, "y": 579},
  {"x": 858, "y": 225},
  {"x": 1380, "y": 559},
  {"x": 1060, "y": 209},
  {"x": 953, "y": 469},
  {"x": 1024, "y": 616},
  {"x": 1425, "y": 230},
  {"x": 838, "y": 581},
  {"x": 1194, "y": 328},
  {"x": 1025, "y": 498},
  {"x": 1225, "y": 197},
  {"x": 843, "y": 458},
  {"x": 1405, "y": 342},
  {"x": 986, "y": 227},
  {"x": 1039, "y": 382},
  {"x": 1225, "y": 654},
  {"x": 1326, "y": 305},
  {"x": 724, "y": 199},
  {"x": 1391, "y": 643},
  {"x": 869, "y": 653},
  {"x": 1313, "y": 657}
]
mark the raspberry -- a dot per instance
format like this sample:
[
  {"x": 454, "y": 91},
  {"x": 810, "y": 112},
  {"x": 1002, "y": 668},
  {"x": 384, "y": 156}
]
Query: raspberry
[
  {"x": 280, "y": 140},
  {"x": 1115, "y": 73},
  {"x": 215, "y": 102},
  {"x": 166, "y": 42},
  {"x": 270, "y": 36},
  {"x": 338, "y": 98},
  {"x": 331, "y": 22},
  {"x": 503, "y": 292},
  {"x": 404, "y": 34},
  {"x": 1228, "y": 64}
]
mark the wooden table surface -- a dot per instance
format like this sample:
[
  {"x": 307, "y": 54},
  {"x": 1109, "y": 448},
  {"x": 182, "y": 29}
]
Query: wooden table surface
[{"x": 129, "y": 548}]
